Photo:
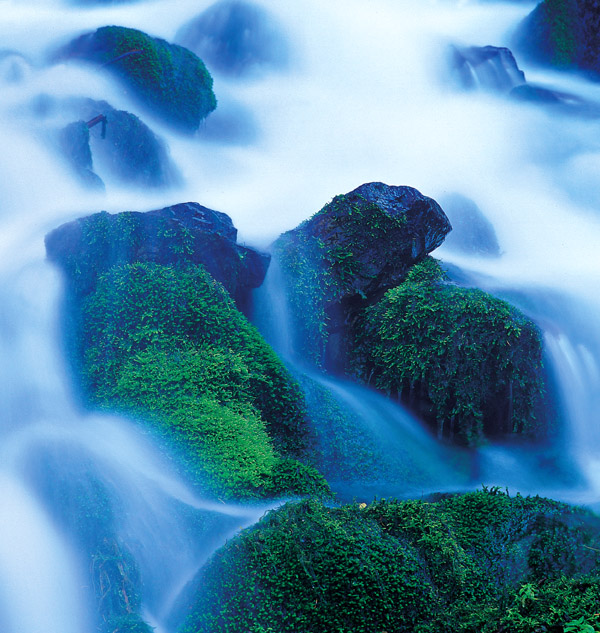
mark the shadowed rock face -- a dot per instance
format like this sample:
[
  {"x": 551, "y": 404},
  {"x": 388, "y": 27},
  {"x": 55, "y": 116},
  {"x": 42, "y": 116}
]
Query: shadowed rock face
[
  {"x": 235, "y": 38},
  {"x": 349, "y": 253},
  {"x": 177, "y": 235}
]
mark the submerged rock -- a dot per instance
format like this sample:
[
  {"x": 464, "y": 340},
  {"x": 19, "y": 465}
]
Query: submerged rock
[
  {"x": 467, "y": 363},
  {"x": 563, "y": 34},
  {"x": 130, "y": 151},
  {"x": 169, "y": 79},
  {"x": 14, "y": 67},
  {"x": 235, "y": 38},
  {"x": 178, "y": 235},
  {"x": 121, "y": 145},
  {"x": 348, "y": 254},
  {"x": 472, "y": 233},
  {"x": 74, "y": 144},
  {"x": 486, "y": 67},
  {"x": 480, "y": 562}
]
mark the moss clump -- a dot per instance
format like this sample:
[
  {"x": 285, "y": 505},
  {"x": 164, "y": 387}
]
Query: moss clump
[
  {"x": 166, "y": 77},
  {"x": 170, "y": 345},
  {"x": 458, "y": 564},
  {"x": 466, "y": 362}
]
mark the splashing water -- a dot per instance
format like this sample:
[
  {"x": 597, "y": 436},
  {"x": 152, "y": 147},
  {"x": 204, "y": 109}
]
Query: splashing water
[{"x": 365, "y": 96}]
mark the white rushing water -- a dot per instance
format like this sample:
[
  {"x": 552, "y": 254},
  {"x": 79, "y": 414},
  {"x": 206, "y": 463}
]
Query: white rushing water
[{"x": 366, "y": 96}]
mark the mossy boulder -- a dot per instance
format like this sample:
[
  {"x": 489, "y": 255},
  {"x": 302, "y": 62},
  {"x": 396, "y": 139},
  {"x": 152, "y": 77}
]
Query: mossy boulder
[
  {"x": 564, "y": 34},
  {"x": 235, "y": 38},
  {"x": 168, "y": 345},
  {"x": 348, "y": 254},
  {"x": 168, "y": 79},
  {"x": 464, "y": 361},
  {"x": 472, "y": 563},
  {"x": 177, "y": 235}
]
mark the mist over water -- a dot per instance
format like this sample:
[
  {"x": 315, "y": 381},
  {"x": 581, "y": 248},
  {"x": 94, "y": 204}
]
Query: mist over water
[{"x": 366, "y": 95}]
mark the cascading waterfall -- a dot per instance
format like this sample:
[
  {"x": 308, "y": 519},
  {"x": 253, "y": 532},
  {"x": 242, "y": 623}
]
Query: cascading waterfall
[{"x": 365, "y": 96}]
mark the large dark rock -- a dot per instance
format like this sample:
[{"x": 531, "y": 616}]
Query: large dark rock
[
  {"x": 472, "y": 233},
  {"x": 564, "y": 34},
  {"x": 235, "y": 38},
  {"x": 177, "y": 235},
  {"x": 486, "y": 67},
  {"x": 169, "y": 79},
  {"x": 348, "y": 254}
]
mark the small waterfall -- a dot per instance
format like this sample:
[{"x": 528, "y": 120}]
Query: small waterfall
[{"x": 71, "y": 482}]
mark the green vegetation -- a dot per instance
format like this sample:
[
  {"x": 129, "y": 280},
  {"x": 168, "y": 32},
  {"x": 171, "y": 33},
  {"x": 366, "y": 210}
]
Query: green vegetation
[
  {"x": 476, "y": 563},
  {"x": 168, "y": 78},
  {"x": 468, "y": 363},
  {"x": 168, "y": 344}
]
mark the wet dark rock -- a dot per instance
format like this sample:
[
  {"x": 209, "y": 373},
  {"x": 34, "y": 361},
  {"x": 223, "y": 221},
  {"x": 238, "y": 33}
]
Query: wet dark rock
[
  {"x": 169, "y": 79},
  {"x": 234, "y": 38},
  {"x": 486, "y": 67},
  {"x": 177, "y": 235},
  {"x": 472, "y": 233},
  {"x": 348, "y": 254}
]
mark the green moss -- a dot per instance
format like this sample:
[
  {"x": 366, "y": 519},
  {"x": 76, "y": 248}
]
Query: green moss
[
  {"x": 402, "y": 566},
  {"x": 467, "y": 362},
  {"x": 170, "y": 345},
  {"x": 166, "y": 77}
]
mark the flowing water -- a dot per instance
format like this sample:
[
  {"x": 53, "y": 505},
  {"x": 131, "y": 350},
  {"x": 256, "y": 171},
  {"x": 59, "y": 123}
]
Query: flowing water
[{"x": 365, "y": 95}]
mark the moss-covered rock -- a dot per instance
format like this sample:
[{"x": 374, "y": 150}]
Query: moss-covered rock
[
  {"x": 468, "y": 563},
  {"x": 466, "y": 362},
  {"x": 170, "y": 346},
  {"x": 178, "y": 235},
  {"x": 563, "y": 33},
  {"x": 169, "y": 79},
  {"x": 349, "y": 253}
]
